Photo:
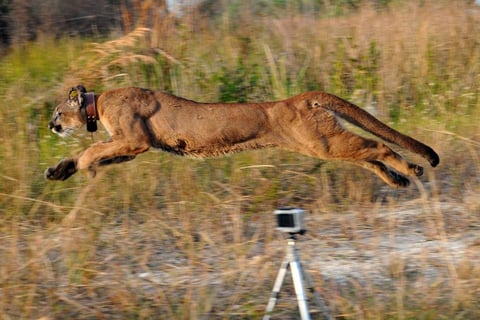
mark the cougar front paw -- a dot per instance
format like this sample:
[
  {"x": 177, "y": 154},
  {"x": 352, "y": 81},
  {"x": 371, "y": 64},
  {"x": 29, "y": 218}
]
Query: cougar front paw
[{"x": 62, "y": 171}]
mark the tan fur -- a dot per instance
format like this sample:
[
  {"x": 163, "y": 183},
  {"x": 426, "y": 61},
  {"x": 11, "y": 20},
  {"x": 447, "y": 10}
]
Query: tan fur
[{"x": 138, "y": 119}]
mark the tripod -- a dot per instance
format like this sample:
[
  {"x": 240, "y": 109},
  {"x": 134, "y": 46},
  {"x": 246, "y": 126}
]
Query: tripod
[{"x": 292, "y": 260}]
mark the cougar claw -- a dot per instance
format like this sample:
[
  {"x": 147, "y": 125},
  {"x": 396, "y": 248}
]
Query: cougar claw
[{"x": 418, "y": 170}]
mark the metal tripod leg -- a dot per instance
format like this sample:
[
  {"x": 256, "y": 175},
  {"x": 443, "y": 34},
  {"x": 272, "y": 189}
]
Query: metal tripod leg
[
  {"x": 321, "y": 305},
  {"x": 276, "y": 288},
  {"x": 298, "y": 275}
]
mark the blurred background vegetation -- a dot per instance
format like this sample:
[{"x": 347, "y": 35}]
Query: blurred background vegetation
[{"x": 167, "y": 237}]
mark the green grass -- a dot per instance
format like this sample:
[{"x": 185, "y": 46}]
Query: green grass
[{"x": 168, "y": 237}]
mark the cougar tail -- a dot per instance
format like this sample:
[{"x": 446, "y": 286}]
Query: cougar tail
[{"x": 366, "y": 121}]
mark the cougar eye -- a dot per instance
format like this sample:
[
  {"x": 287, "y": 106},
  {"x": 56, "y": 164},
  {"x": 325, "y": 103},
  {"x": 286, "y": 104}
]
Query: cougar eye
[{"x": 57, "y": 116}]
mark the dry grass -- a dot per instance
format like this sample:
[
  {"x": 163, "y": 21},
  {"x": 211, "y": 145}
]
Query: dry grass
[{"x": 164, "y": 237}]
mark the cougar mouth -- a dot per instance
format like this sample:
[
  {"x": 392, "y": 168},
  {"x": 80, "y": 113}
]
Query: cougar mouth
[
  {"x": 56, "y": 128},
  {"x": 59, "y": 130}
]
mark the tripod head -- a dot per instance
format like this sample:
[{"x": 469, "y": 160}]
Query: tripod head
[{"x": 290, "y": 220}]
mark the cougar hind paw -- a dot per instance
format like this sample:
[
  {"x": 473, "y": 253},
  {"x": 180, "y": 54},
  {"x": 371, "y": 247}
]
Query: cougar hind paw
[
  {"x": 398, "y": 179},
  {"x": 416, "y": 169}
]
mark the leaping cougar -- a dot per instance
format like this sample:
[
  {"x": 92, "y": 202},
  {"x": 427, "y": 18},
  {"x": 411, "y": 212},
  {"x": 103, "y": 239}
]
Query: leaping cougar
[{"x": 138, "y": 119}]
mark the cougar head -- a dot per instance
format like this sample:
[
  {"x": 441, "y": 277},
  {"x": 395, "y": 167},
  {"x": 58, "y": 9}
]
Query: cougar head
[{"x": 68, "y": 116}]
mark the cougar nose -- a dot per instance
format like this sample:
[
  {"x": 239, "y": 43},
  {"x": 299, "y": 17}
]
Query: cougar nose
[{"x": 50, "y": 125}]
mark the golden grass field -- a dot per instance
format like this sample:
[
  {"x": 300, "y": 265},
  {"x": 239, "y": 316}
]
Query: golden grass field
[{"x": 164, "y": 237}]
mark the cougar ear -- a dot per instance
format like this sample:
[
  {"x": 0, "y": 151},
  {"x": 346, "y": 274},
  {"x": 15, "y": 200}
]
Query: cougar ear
[{"x": 75, "y": 95}]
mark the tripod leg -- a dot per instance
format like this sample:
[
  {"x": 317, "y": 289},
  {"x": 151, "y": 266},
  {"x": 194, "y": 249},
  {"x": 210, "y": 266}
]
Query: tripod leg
[
  {"x": 323, "y": 307},
  {"x": 276, "y": 289},
  {"x": 299, "y": 289}
]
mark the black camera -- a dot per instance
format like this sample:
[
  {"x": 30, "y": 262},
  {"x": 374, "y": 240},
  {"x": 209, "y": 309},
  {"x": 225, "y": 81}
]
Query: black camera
[{"x": 290, "y": 220}]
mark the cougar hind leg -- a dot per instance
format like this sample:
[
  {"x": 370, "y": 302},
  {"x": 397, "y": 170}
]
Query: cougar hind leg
[
  {"x": 374, "y": 156},
  {"x": 397, "y": 162},
  {"x": 391, "y": 177},
  {"x": 348, "y": 146}
]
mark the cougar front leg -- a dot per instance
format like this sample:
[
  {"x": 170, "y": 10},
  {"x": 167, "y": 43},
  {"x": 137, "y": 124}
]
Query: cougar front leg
[
  {"x": 109, "y": 153},
  {"x": 103, "y": 153},
  {"x": 106, "y": 162},
  {"x": 118, "y": 159}
]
